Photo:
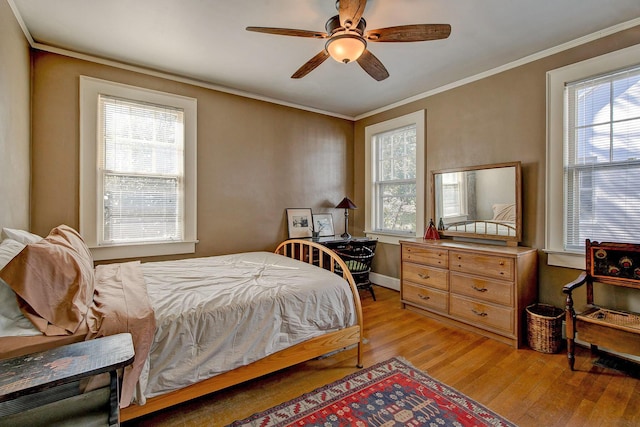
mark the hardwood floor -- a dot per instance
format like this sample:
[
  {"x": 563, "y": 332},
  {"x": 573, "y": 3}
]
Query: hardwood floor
[{"x": 527, "y": 387}]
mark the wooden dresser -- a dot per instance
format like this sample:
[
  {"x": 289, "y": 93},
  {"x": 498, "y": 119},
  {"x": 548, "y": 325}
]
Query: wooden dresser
[{"x": 480, "y": 287}]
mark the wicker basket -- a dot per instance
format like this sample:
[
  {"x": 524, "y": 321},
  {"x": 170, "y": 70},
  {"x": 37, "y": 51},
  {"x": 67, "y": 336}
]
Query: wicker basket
[{"x": 544, "y": 327}]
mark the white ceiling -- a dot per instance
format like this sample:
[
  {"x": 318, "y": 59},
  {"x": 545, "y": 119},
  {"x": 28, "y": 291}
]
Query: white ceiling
[{"x": 206, "y": 40}]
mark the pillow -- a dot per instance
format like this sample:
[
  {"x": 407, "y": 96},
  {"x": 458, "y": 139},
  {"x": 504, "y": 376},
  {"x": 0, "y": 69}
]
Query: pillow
[
  {"x": 21, "y": 236},
  {"x": 504, "y": 212},
  {"x": 9, "y": 248},
  {"x": 66, "y": 235},
  {"x": 53, "y": 279},
  {"x": 12, "y": 321}
]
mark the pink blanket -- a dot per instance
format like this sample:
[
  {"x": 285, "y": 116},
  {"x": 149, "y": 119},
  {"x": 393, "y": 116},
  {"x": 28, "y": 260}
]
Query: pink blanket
[{"x": 120, "y": 304}]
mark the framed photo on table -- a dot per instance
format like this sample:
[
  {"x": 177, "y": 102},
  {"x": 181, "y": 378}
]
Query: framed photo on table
[
  {"x": 300, "y": 222},
  {"x": 323, "y": 224}
]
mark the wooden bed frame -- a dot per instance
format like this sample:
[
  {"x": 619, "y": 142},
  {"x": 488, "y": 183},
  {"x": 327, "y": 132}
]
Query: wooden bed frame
[{"x": 303, "y": 250}]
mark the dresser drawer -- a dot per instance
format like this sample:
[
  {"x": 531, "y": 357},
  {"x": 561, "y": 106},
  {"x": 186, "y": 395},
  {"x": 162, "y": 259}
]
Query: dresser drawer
[
  {"x": 433, "y": 257},
  {"x": 482, "y": 289},
  {"x": 427, "y": 276},
  {"x": 485, "y": 265},
  {"x": 475, "y": 312},
  {"x": 427, "y": 298}
]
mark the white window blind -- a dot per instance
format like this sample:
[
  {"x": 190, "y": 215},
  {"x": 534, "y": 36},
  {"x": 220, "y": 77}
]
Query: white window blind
[
  {"x": 454, "y": 195},
  {"x": 140, "y": 172},
  {"x": 602, "y": 159},
  {"x": 395, "y": 180}
]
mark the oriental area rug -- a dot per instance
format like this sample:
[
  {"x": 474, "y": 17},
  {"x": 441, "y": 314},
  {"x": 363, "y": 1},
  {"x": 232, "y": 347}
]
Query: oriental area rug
[{"x": 391, "y": 393}]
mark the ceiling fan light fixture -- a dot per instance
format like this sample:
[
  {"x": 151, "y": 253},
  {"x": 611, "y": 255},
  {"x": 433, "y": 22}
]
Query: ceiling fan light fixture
[{"x": 346, "y": 47}]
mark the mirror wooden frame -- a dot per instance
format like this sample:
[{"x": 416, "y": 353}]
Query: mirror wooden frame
[{"x": 511, "y": 240}]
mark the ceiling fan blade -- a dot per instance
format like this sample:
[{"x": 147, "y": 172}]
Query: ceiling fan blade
[
  {"x": 409, "y": 33},
  {"x": 311, "y": 65},
  {"x": 289, "y": 32},
  {"x": 350, "y": 12},
  {"x": 372, "y": 65}
]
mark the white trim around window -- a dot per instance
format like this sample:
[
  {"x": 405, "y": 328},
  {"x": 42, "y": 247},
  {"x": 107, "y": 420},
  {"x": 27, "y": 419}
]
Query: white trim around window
[
  {"x": 90, "y": 89},
  {"x": 418, "y": 119},
  {"x": 556, "y": 118}
]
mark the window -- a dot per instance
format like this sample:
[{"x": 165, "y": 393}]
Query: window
[
  {"x": 137, "y": 171},
  {"x": 593, "y": 155},
  {"x": 454, "y": 196},
  {"x": 395, "y": 178}
]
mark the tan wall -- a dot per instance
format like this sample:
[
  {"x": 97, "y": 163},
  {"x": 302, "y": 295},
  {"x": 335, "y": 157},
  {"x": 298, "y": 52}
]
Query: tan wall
[
  {"x": 255, "y": 159},
  {"x": 497, "y": 119},
  {"x": 14, "y": 122}
]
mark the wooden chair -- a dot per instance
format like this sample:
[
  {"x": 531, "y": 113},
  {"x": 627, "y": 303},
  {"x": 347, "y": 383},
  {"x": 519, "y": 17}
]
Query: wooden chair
[
  {"x": 358, "y": 257},
  {"x": 615, "y": 264}
]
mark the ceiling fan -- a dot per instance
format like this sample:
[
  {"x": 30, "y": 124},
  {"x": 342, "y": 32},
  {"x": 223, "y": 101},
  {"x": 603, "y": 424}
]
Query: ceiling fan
[{"x": 347, "y": 38}]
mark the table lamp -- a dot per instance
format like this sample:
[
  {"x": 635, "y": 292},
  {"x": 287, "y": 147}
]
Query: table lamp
[{"x": 346, "y": 204}]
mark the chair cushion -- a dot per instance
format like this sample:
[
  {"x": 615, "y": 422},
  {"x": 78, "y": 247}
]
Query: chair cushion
[{"x": 356, "y": 265}]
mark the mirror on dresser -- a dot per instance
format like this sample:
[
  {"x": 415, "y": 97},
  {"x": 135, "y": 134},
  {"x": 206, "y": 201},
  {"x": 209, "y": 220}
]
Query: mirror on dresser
[{"x": 479, "y": 202}]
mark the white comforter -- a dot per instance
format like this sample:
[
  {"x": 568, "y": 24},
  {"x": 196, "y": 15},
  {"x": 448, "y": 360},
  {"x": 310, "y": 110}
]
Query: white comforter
[{"x": 217, "y": 313}]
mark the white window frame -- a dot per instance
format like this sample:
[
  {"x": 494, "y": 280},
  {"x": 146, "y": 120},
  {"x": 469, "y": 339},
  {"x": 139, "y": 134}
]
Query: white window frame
[
  {"x": 463, "y": 208},
  {"x": 90, "y": 89},
  {"x": 556, "y": 115},
  {"x": 418, "y": 119}
]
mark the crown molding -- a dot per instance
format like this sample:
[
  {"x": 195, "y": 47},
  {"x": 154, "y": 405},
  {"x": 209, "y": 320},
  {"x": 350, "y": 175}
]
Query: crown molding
[
  {"x": 187, "y": 80},
  {"x": 527, "y": 59}
]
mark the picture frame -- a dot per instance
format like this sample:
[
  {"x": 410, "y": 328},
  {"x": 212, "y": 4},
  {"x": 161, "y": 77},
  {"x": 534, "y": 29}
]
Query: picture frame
[
  {"x": 323, "y": 224},
  {"x": 300, "y": 222}
]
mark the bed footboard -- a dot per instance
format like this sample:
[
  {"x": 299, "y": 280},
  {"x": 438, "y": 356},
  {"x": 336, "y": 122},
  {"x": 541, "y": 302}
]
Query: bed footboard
[
  {"x": 302, "y": 250},
  {"x": 323, "y": 257}
]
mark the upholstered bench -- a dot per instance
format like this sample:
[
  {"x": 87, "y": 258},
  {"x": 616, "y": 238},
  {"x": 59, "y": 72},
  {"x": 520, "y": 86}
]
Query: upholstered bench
[{"x": 615, "y": 264}]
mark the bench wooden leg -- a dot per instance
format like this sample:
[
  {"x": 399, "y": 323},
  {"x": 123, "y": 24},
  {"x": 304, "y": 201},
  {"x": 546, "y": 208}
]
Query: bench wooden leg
[
  {"x": 115, "y": 384},
  {"x": 570, "y": 330},
  {"x": 570, "y": 353}
]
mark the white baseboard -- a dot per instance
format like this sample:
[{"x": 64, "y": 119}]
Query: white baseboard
[{"x": 385, "y": 281}]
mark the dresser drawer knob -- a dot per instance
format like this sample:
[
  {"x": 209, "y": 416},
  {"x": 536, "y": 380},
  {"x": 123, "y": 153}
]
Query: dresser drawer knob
[
  {"x": 475, "y": 288},
  {"x": 501, "y": 262},
  {"x": 424, "y": 297},
  {"x": 478, "y": 313},
  {"x": 423, "y": 276}
]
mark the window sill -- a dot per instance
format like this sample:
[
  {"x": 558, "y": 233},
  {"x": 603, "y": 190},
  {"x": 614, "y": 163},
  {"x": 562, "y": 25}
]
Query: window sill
[
  {"x": 565, "y": 259},
  {"x": 393, "y": 239},
  {"x": 111, "y": 252}
]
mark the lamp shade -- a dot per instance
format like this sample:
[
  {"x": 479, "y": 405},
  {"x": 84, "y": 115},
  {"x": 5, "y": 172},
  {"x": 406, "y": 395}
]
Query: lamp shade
[
  {"x": 346, "y": 204},
  {"x": 346, "y": 47}
]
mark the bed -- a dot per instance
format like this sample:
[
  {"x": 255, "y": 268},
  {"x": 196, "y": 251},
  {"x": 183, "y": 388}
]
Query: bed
[{"x": 199, "y": 325}]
